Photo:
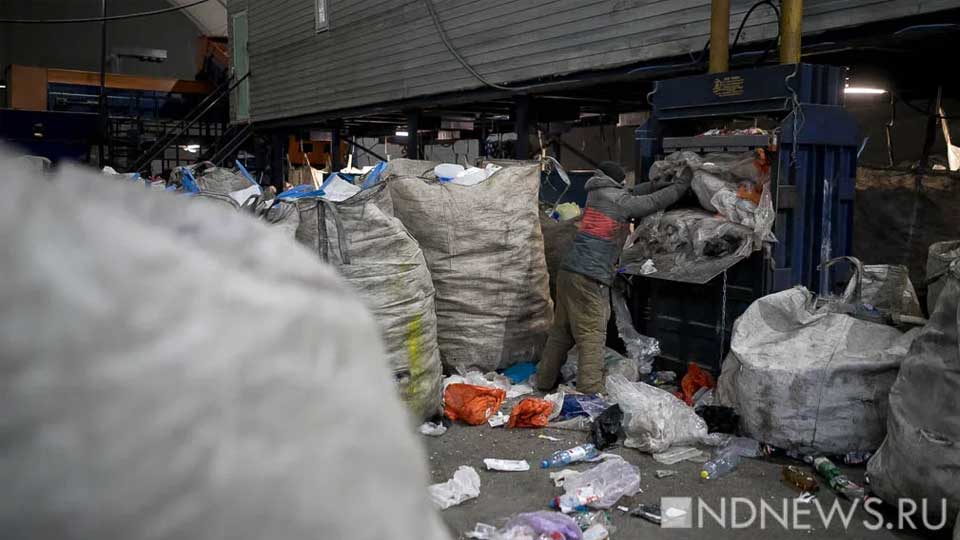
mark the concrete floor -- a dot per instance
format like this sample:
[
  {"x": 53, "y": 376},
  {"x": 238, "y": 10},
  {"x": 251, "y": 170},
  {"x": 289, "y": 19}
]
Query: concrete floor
[{"x": 503, "y": 494}]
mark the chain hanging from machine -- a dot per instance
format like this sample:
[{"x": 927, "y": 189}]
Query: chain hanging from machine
[
  {"x": 796, "y": 116},
  {"x": 723, "y": 316}
]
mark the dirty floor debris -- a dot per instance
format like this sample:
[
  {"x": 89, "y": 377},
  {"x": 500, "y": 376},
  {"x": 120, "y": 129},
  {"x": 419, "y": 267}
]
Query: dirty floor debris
[{"x": 504, "y": 494}]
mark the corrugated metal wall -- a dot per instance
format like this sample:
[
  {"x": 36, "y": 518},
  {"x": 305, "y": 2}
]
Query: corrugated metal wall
[{"x": 377, "y": 51}]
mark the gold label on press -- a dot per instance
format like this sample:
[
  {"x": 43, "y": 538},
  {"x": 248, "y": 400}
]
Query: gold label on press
[{"x": 728, "y": 86}]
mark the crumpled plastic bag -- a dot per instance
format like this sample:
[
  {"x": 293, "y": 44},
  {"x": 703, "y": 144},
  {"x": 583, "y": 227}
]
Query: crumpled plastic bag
[
  {"x": 489, "y": 380},
  {"x": 471, "y": 404},
  {"x": 531, "y": 526},
  {"x": 654, "y": 419},
  {"x": 607, "y": 428},
  {"x": 530, "y": 413},
  {"x": 608, "y": 481},
  {"x": 694, "y": 380},
  {"x": 464, "y": 485}
]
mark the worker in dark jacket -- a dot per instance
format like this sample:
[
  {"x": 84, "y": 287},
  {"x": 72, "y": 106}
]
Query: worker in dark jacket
[{"x": 588, "y": 270}]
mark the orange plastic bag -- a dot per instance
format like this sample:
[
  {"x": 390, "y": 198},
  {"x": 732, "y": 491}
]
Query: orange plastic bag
[
  {"x": 471, "y": 404},
  {"x": 530, "y": 413},
  {"x": 694, "y": 380}
]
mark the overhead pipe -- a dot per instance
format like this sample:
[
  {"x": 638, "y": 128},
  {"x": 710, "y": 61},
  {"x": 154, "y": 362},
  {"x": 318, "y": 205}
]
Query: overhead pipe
[
  {"x": 719, "y": 36},
  {"x": 791, "y": 30}
]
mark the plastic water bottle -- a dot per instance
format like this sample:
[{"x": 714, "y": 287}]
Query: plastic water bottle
[
  {"x": 722, "y": 463},
  {"x": 837, "y": 480},
  {"x": 572, "y": 455}
]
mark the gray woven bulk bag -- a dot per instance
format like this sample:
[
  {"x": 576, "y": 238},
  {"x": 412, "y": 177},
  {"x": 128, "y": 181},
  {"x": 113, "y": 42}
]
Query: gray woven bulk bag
[
  {"x": 939, "y": 257},
  {"x": 375, "y": 254},
  {"x": 920, "y": 458},
  {"x": 484, "y": 247},
  {"x": 809, "y": 379},
  {"x": 153, "y": 388}
]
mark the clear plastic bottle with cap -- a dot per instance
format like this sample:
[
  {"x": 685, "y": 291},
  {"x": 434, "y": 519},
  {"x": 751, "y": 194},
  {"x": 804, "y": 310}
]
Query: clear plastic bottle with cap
[
  {"x": 722, "y": 463},
  {"x": 571, "y": 455}
]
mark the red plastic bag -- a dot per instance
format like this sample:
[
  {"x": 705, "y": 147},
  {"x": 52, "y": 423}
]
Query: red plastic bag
[
  {"x": 471, "y": 404},
  {"x": 530, "y": 413},
  {"x": 694, "y": 380}
]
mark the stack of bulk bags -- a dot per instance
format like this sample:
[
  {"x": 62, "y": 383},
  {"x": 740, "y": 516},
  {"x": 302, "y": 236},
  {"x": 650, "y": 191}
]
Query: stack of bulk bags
[
  {"x": 152, "y": 388},
  {"x": 373, "y": 251},
  {"x": 484, "y": 247}
]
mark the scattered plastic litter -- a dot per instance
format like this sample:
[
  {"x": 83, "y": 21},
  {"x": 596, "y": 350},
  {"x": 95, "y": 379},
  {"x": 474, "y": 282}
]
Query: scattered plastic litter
[
  {"x": 648, "y": 268},
  {"x": 471, "y": 404},
  {"x": 530, "y": 526},
  {"x": 837, "y": 480},
  {"x": 530, "y": 413},
  {"x": 482, "y": 531},
  {"x": 575, "y": 500},
  {"x": 744, "y": 446},
  {"x": 582, "y": 405},
  {"x": 433, "y": 429},
  {"x": 654, "y": 420},
  {"x": 723, "y": 462},
  {"x": 549, "y": 438},
  {"x": 507, "y": 465},
  {"x": 464, "y": 485},
  {"x": 857, "y": 458},
  {"x": 664, "y": 473},
  {"x": 641, "y": 349},
  {"x": 585, "y": 520},
  {"x": 660, "y": 378},
  {"x": 606, "y": 429},
  {"x": 676, "y": 455},
  {"x": 602, "y": 486},
  {"x": 520, "y": 373},
  {"x": 543, "y": 524},
  {"x": 560, "y": 477},
  {"x": 596, "y": 532},
  {"x": 580, "y": 423},
  {"x": 695, "y": 379},
  {"x": 623, "y": 508},
  {"x": 806, "y": 497},
  {"x": 800, "y": 479},
  {"x": 498, "y": 420},
  {"x": 489, "y": 380},
  {"x": 571, "y": 455}
]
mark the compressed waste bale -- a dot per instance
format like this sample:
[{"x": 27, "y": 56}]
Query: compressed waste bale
[
  {"x": 920, "y": 458},
  {"x": 384, "y": 264},
  {"x": 810, "y": 379},
  {"x": 484, "y": 248},
  {"x": 939, "y": 257},
  {"x": 153, "y": 389}
]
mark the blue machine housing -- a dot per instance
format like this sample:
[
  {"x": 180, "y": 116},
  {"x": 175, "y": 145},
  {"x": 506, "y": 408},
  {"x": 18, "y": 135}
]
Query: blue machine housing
[{"x": 814, "y": 147}]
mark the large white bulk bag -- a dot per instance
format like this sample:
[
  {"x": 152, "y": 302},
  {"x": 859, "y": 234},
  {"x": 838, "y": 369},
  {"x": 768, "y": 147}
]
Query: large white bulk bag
[
  {"x": 175, "y": 370},
  {"x": 484, "y": 247},
  {"x": 810, "y": 379},
  {"x": 369, "y": 247}
]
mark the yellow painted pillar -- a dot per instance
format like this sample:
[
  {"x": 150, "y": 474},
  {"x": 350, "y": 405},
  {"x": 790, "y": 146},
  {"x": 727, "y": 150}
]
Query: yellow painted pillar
[
  {"x": 791, "y": 30},
  {"x": 719, "y": 36}
]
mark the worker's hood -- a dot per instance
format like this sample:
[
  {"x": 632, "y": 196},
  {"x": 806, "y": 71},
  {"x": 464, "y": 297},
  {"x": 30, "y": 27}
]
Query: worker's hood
[{"x": 601, "y": 181}]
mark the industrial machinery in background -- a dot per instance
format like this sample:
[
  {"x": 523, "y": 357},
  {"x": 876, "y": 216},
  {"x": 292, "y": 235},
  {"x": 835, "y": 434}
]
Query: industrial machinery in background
[{"x": 811, "y": 142}]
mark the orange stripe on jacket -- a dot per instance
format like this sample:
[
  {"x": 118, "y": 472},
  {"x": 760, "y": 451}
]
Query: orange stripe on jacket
[{"x": 599, "y": 225}]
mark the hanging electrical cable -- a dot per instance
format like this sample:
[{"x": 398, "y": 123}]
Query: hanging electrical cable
[
  {"x": 466, "y": 65},
  {"x": 103, "y": 19}
]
